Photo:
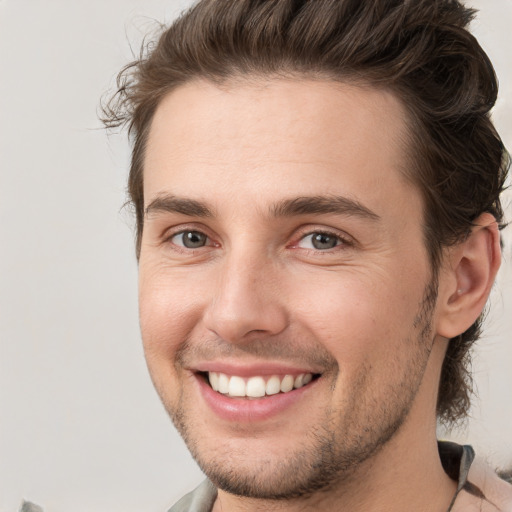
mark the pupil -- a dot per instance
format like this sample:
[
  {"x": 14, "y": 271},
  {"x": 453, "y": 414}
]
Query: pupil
[
  {"x": 323, "y": 241},
  {"x": 193, "y": 239}
]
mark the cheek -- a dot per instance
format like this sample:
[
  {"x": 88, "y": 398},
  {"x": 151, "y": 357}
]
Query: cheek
[
  {"x": 357, "y": 318},
  {"x": 169, "y": 310},
  {"x": 168, "y": 314}
]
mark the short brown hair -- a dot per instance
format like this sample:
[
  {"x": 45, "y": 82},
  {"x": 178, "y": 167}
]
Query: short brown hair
[{"x": 419, "y": 49}]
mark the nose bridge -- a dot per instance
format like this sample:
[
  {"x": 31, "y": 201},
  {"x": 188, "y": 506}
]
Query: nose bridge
[{"x": 246, "y": 299}]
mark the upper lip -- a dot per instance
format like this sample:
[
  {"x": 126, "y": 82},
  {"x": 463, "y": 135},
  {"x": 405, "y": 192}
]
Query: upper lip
[{"x": 255, "y": 369}]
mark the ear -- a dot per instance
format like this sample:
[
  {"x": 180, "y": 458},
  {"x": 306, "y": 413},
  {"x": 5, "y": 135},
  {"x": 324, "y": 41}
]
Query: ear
[{"x": 467, "y": 276}]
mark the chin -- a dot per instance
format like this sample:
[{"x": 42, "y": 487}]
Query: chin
[{"x": 287, "y": 469}]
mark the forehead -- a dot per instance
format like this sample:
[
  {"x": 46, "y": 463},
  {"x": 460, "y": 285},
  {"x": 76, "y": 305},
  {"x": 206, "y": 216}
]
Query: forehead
[{"x": 281, "y": 136}]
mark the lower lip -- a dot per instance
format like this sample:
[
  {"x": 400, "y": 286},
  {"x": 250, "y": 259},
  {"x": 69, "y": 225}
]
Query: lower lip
[{"x": 244, "y": 410}]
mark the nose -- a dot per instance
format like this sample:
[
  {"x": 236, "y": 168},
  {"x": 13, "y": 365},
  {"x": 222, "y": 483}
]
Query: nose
[{"x": 246, "y": 302}]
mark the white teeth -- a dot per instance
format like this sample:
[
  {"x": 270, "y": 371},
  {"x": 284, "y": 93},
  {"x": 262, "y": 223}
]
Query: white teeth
[
  {"x": 273, "y": 385},
  {"x": 256, "y": 387},
  {"x": 287, "y": 383},
  {"x": 237, "y": 386},
  {"x": 214, "y": 380},
  {"x": 223, "y": 383}
]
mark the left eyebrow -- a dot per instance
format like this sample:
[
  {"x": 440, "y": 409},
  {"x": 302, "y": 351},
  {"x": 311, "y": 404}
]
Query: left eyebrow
[
  {"x": 182, "y": 205},
  {"x": 307, "y": 205}
]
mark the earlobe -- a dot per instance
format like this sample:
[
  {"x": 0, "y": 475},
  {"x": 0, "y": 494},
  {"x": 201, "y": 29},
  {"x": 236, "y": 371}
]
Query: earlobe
[{"x": 473, "y": 265}]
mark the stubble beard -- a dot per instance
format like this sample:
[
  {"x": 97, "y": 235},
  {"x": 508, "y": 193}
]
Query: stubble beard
[{"x": 333, "y": 451}]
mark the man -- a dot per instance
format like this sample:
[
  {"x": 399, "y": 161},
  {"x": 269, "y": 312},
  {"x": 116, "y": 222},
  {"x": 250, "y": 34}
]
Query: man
[{"x": 317, "y": 185}]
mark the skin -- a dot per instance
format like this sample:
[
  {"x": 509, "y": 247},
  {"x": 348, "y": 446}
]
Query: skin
[{"x": 362, "y": 314}]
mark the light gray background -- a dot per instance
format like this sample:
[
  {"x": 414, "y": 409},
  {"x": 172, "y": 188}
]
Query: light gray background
[{"x": 81, "y": 428}]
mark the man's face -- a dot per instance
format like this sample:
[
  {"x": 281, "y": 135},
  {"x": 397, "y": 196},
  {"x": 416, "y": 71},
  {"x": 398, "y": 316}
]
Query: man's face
[{"x": 283, "y": 258}]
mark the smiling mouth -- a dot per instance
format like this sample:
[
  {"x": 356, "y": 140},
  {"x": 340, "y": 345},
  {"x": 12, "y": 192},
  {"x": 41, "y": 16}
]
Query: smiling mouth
[{"x": 257, "y": 386}]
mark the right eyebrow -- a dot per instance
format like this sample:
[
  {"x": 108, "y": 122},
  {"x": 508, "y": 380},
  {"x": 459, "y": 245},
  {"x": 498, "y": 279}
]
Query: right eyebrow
[
  {"x": 306, "y": 205},
  {"x": 173, "y": 204}
]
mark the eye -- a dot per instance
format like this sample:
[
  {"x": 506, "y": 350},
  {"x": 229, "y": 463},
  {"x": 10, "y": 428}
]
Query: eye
[
  {"x": 320, "y": 241},
  {"x": 190, "y": 239}
]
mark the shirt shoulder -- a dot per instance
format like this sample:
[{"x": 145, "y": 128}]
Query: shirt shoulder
[
  {"x": 484, "y": 491},
  {"x": 201, "y": 499}
]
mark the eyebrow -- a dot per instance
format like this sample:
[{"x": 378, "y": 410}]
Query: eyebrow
[
  {"x": 322, "y": 205},
  {"x": 304, "y": 205},
  {"x": 173, "y": 204}
]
